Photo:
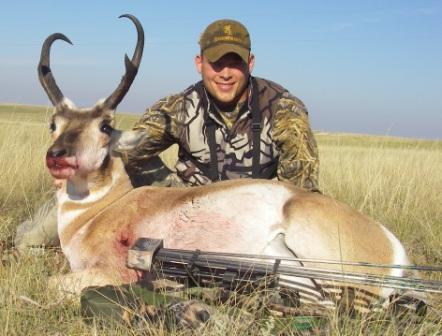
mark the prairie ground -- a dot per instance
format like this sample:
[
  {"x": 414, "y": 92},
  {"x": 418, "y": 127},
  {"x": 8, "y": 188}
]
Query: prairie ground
[{"x": 396, "y": 181}]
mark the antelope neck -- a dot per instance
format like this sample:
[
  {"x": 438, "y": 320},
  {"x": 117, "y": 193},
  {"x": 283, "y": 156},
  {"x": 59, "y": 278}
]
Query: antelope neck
[
  {"x": 103, "y": 190},
  {"x": 94, "y": 192}
]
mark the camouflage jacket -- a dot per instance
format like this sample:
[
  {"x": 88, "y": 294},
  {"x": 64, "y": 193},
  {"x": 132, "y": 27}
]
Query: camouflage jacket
[{"x": 288, "y": 148}]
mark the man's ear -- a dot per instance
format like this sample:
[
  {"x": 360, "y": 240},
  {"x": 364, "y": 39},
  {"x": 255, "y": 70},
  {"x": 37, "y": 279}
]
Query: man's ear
[
  {"x": 198, "y": 63},
  {"x": 251, "y": 62}
]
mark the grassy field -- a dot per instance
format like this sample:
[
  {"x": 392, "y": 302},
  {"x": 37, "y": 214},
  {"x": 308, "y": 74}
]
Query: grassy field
[{"x": 396, "y": 181}]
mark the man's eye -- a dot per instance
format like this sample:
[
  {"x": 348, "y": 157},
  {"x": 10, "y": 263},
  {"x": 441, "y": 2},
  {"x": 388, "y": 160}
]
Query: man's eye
[
  {"x": 106, "y": 128},
  {"x": 236, "y": 63},
  {"x": 217, "y": 66}
]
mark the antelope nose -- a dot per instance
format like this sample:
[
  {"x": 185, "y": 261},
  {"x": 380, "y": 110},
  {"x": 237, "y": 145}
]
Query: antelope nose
[{"x": 56, "y": 153}]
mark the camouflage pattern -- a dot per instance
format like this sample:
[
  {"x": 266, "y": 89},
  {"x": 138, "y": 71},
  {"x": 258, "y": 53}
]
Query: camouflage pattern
[
  {"x": 288, "y": 148},
  {"x": 298, "y": 158}
]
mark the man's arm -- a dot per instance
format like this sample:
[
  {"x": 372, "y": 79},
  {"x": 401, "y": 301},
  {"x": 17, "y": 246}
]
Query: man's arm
[
  {"x": 298, "y": 161},
  {"x": 155, "y": 132}
]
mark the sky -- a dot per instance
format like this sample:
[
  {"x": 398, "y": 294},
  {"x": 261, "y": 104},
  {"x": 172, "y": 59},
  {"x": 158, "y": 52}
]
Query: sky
[{"x": 370, "y": 67}]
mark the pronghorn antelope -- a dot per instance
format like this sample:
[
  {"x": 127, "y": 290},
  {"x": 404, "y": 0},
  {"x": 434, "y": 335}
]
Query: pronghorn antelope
[{"x": 100, "y": 214}]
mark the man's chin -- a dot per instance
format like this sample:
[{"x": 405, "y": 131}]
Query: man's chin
[
  {"x": 226, "y": 97},
  {"x": 225, "y": 101}
]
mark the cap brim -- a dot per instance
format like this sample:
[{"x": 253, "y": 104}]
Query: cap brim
[{"x": 213, "y": 54}]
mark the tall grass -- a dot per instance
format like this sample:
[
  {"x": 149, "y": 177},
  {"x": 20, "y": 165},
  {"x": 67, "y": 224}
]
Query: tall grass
[
  {"x": 23, "y": 180},
  {"x": 396, "y": 181}
]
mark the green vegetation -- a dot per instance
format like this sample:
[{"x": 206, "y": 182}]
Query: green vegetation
[{"x": 396, "y": 181}]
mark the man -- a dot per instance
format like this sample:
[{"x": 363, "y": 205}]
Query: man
[{"x": 229, "y": 125}]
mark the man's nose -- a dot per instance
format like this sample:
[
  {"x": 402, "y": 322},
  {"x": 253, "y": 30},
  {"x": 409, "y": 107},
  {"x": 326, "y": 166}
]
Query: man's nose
[{"x": 225, "y": 72}]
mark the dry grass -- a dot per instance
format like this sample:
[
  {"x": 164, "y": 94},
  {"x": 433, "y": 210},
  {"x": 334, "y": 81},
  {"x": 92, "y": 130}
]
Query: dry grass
[{"x": 396, "y": 181}]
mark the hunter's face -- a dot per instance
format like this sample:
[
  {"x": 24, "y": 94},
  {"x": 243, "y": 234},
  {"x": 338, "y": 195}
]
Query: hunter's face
[{"x": 226, "y": 79}]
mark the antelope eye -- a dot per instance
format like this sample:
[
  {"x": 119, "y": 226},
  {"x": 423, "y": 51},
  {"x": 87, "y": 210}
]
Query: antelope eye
[
  {"x": 106, "y": 128},
  {"x": 52, "y": 126}
]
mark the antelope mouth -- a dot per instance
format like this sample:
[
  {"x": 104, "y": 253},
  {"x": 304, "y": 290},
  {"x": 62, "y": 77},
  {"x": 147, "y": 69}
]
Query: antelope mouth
[{"x": 62, "y": 168}]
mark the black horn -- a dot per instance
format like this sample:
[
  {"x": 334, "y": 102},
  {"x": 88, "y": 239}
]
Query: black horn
[
  {"x": 131, "y": 67},
  {"x": 44, "y": 69}
]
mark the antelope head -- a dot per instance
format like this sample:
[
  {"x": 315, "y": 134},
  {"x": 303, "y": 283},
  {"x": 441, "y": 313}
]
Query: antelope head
[{"x": 83, "y": 138}]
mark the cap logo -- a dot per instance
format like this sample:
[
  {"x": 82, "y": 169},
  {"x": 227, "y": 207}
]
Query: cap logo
[
  {"x": 228, "y": 30},
  {"x": 227, "y": 39}
]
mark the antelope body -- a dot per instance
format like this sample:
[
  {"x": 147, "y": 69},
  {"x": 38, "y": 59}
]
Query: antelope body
[{"x": 101, "y": 215}]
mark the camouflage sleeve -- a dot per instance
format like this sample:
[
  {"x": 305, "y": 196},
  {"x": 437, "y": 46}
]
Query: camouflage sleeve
[
  {"x": 298, "y": 161},
  {"x": 158, "y": 130}
]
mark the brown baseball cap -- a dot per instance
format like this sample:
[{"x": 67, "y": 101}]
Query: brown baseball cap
[{"x": 225, "y": 36}]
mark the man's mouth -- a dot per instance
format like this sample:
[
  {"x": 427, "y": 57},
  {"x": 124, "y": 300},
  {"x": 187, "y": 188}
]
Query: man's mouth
[{"x": 225, "y": 86}]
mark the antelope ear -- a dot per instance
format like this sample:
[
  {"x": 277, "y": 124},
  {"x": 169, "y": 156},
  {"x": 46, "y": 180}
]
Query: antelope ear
[
  {"x": 128, "y": 140},
  {"x": 65, "y": 105},
  {"x": 68, "y": 103}
]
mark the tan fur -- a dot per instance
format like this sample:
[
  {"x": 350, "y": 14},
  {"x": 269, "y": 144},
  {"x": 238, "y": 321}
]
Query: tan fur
[
  {"x": 93, "y": 208},
  {"x": 101, "y": 215},
  {"x": 339, "y": 231}
]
